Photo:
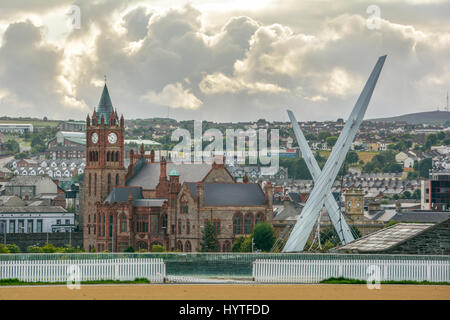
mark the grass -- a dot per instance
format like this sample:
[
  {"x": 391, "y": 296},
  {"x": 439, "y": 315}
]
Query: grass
[
  {"x": 34, "y": 122},
  {"x": 356, "y": 281},
  {"x": 17, "y": 282}
]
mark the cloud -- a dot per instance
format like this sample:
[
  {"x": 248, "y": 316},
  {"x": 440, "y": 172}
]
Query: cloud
[
  {"x": 173, "y": 96},
  {"x": 311, "y": 56}
]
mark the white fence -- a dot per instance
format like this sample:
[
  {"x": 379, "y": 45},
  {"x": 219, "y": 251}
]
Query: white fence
[
  {"x": 83, "y": 270},
  {"x": 314, "y": 271}
]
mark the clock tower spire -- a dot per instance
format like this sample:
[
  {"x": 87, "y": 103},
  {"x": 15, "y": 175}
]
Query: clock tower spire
[{"x": 105, "y": 168}]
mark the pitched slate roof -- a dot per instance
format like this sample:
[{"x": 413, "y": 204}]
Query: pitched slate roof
[
  {"x": 148, "y": 175},
  {"x": 421, "y": 216},
  {"x": 105, "y": 106},
  {"x": 230, "y": 194},
  {"x": 121, "y": 194}
]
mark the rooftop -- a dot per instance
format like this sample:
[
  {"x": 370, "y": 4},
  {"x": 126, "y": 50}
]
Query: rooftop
[{"x": 386, "y": 238}]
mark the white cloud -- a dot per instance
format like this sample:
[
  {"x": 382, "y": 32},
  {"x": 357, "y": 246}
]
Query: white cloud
[{"x": 173, "y": 96}]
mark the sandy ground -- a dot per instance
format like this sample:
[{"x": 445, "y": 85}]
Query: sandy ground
[{"x": 227, "y": 292}]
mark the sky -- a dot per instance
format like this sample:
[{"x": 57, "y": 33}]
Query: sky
[{"x": 222, "y": 60}]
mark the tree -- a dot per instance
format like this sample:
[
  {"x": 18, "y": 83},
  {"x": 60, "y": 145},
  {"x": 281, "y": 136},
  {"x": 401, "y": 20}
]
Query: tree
[
  {"x": 236, "y": 247},
  {"x": 416, "y": 194},
  {"x": 424, "y": 167},
  {"x": 323, "y": 135},
  {"x": 264, "y": 236},
  {"x": 246, "y": 245},
  {"x": 209, "y": 239},
  {"x": 331, "y": 141},
  {"x": 352, "y": 157},
  {"x": 34, "y": 249},
  {"x": 407, "y": 194}
]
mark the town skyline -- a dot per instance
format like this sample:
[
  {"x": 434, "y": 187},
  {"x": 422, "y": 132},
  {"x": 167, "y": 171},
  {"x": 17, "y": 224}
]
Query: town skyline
[{"x": 193, "y": 60}]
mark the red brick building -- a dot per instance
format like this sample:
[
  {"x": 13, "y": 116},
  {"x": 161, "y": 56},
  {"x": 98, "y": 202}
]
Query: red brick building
[{"x": 158, "y": 202}]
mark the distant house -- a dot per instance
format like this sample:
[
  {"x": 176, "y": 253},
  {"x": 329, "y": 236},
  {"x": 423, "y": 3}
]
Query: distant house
[{"x": 27, "y": 187}]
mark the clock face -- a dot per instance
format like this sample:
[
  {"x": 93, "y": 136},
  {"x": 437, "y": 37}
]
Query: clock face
[
  {"x": 112, "y": 138},
  {"x": 358, "y": 204},
  {"x": 94, "y": 137},
  {"x": 349, "y": 203}
]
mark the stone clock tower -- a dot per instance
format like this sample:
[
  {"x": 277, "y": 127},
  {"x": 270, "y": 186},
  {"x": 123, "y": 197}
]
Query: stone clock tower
[{"x": 104, "y": 162}]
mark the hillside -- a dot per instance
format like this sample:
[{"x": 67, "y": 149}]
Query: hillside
[{"x": 435, "y": 117}]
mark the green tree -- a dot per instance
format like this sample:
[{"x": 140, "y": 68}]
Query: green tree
[
  {"x": 416, "y": 194},
  {"x": 407, "y": 194},
  {"x": 352, "y": 157},
  {"x": 209, "y": 239},
  {"x": 264, "y": 236},
  {"x": 246, "y": 245},
  {"x": 331, "y": 141},
  {"x": 236, "y": 247},
  {"x": 323, "y": 135},
  {"x": 424, "y": 167}
]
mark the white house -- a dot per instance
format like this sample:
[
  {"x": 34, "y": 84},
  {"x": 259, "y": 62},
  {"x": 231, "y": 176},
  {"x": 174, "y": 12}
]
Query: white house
[{"x": 32, "y": 219}]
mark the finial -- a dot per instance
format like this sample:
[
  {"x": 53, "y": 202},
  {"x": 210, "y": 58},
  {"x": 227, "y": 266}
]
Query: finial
[{"x": 105, "y": 79}]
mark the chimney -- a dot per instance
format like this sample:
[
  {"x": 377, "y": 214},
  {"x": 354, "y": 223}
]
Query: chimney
[
  {"x": 268, "y": 194},
  {"x": 163, "y": 168},
  {"x": 142, "y": 151},
  {"x": 152, "y": 156},
  {"x": 200, "y": 194}
]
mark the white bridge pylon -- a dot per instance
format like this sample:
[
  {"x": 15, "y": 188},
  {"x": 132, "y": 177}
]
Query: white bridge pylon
[
  {"x": 336, "y": 216},
  {"x": 324, "y": 180}
]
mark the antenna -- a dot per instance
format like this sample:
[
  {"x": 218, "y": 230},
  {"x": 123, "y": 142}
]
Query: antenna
[{"x": 446, "y": 107}]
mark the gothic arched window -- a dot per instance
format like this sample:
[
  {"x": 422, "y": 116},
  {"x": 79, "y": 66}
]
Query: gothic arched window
[
  {"x": 248, "y": 223},
  {"x": 237, "y": 223}
]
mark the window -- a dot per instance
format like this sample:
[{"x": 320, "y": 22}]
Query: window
[
  {"x": 188, "y": 246},
  {"x": 179, "y": 226},
  {"x": 109, "y": 183},
  {"x": 216, "y": 224},
  {"x": 117, "y": 179},
  {"x": 3, "y": 226},
  {"x": 164, "y": 221},
  {"x": 58, "y": 221},
  {"x": 111, "y": 225},
  {"x": 30, "y": 226},
  {"x": 188, "y": 227},
  {"x": 123, "y": 225},
  {"x": 172, "y": 229},
  {"x": 39, "y": 226},
  {"x": 12, "y": 226},
  {"x": 226, "y": 247},
  {"x": 67, "y": 221},
  {"x": 180, "y": 246},
  {"x": 185, "y": 207},
  {"x": 21, "y": 226},
  {"x": 248, "y": 223},
  {"x": 259, "y": 218},
  {"x": 237, "y": 223}
]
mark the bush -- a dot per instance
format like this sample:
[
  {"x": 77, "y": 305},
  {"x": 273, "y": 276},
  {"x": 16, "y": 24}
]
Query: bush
[
  {"x": 128, "y": 249},
  {"x": 13, "y": 248},
  {"x": 236, "y": 247},
  {"x": 48, "y": 248},
  {"x": 3, "y": 249},
  {"x": 158, "y": 248},
  {"x": 34, "y": 249}
]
